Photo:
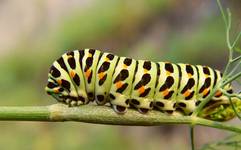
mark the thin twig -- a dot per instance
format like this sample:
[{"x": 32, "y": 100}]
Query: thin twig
[
  {"x": 234, "y": 77},
  {"x": 234, "y": 69},
  {"x": 192, "y": 137},
  {"x": 236, "y": 59},
  {"x": 205, "y": 101},
  {"x": 236, "y": 39},
  {"x": 222, "y": 12}
]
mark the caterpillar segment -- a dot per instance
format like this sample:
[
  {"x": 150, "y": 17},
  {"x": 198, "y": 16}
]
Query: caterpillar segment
[
  {"x": 186, "y": 93},
  {"x": 105, "y": 70},
  {"x": 142, "y": 94},
  {"x": 167, "y": 86},
  {"x": 120, "y": 92},
  {"x": 72, "y": 63},
  {"x": 88, "y": 60},
  {"x": 80, "y": 76},
  {"x": 207, "y": 80}
]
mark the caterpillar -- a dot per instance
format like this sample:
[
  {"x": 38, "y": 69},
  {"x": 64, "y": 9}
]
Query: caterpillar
[{"x": 81, "y": 76}]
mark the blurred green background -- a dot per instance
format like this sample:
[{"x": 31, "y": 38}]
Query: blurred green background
[{"x": 34, "y": 33}]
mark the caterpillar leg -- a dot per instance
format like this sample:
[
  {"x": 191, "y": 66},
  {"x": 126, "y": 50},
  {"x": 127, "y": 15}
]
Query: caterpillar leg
[
  {"x": 72, "y": 102},
  {"x": 62, "y": 96},
  {"x": 143, "y": 105},
  {"x": 165, "y": 105},
  {"x": 119, "y": 102},
  {"x": 119, "y": 109},
  {"x": 143, "y": 110},
  {"x": 186, "y": 107}
]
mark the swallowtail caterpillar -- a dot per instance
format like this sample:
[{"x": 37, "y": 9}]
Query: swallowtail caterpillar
[{"x": 81, "y": 76}]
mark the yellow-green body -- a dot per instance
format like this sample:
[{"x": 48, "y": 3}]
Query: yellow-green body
[{"x": 124, "y": 82}]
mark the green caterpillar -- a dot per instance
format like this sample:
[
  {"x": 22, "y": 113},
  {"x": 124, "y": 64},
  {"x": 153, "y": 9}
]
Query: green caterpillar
[{"x": 81, "y": 76}]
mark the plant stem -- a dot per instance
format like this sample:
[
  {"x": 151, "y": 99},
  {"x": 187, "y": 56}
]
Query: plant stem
[
  {"x": 234, "y": 69},
  {"x": 222, "y": 12},
  {"x": 192, "y": 136},
  {"x": 236, "y": 39},
  {"x": 236, "y": 59},
  {"x": 234, "y": 77},
  {"x": 205, "y": 101},
  {"x": 103, "y": 115}
]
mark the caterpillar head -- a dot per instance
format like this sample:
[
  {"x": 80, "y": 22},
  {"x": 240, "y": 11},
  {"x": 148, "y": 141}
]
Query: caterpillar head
[
  {"x": 55, "y": 90},
  {"x": 54, "y": 86},
  {"x": 60, "y": 87},
  {"x": 221, "y": 110}
]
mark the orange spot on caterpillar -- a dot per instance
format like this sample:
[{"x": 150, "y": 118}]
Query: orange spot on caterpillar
[
  {"x": 165, "y": 93},
  {"x": 72, "y": 73},
  {"x": 168, "y": 73},
  {"x": 206, "y": 75},
  {"x": 205, "y": 91},
  {"x": 56, "y": 91},
  {"x": 101, "y": 75},
  {"x": 87, "y": 73},
  {"x": 89, "y": 55},
  {"x": 187, "y": 93},
  {"x": 107, "y": 59},
  {"x": 218, "y": 93},
  {"x": 141, "y": 89},
  {"x": 59, "y": 82},
  {"x": 145, "y": 70},
  {"x": 118, "y": 84},
  {"x": 124, "y": 66},
  {"x": 189, "y": 75}
]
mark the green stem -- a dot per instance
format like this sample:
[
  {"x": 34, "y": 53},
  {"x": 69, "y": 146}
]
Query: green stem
[
  {"x": 228, "y": 35},
  {"x": 236, "y": 59},
  {"x": 236, "y": 39},
  {"x": 234, "y": 77},
  {"x": 205, "y": 101},
  {"x": 103, "y": 115},
  {"x": 227, "y": 21},
  {"x": 234, "y": 69},
  {"x": 192, "y": 136},
  {"x": 26, "y": 113},
  {"x": 222, "y": 12}
]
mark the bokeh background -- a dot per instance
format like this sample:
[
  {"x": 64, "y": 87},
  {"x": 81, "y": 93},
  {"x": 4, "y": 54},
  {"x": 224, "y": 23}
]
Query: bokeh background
[{"x": 34, "y": 33}]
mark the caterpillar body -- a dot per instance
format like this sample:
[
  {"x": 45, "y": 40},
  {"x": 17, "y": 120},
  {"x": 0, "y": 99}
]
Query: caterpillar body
[{"x": 81, "y": 76}]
